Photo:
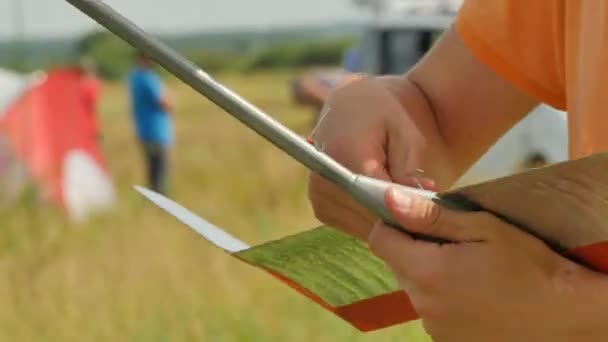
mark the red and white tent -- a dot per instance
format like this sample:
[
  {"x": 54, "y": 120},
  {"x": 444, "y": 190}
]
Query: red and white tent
[{"x": 48, "y": 133}]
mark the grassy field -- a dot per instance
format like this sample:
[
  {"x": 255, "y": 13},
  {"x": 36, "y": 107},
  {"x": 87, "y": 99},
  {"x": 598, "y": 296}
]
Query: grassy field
[{"x": 136, "y": 274}]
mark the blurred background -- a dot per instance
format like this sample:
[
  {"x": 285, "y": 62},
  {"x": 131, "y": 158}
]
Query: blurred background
[{"x": 84, "y": 258}]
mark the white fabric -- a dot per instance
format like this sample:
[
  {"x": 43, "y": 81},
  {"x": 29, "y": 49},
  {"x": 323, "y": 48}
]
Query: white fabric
[{"x": 86, "y": 187}]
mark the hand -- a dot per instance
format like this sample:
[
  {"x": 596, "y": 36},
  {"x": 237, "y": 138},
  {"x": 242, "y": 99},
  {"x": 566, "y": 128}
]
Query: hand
[
  {"x": 496, "y": 284},
  {"x": 367, "y": 129}
]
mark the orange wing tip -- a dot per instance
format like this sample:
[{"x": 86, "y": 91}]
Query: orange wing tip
[
  {"x": 595, "y": 255},
  {"x": 367, "y": 315}
]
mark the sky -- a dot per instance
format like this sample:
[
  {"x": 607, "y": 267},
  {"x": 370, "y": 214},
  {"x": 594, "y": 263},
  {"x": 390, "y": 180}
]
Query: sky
[{"x": 57, "y": 18}]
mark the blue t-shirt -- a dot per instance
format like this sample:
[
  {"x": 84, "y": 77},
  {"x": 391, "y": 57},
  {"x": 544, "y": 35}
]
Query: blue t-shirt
[{"x": 153, "y": 124}]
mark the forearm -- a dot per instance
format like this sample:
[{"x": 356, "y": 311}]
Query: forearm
[{"x": 466, "y": 124}]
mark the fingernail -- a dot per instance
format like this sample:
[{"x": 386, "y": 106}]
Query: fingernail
[{"x": 402, "y": 199}]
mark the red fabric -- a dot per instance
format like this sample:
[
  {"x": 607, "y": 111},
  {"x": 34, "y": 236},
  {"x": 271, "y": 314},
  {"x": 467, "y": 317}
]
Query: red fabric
[{"x": 49, "y": 120}]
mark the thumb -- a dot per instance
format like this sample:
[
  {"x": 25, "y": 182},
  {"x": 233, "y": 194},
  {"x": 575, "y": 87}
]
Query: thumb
[{"x": 419, "y": 215}]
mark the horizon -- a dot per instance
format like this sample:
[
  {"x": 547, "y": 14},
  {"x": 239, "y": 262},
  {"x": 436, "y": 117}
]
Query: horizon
[
  {"x": 57, "y": 20},
  {"x": 195, "y": 31}
]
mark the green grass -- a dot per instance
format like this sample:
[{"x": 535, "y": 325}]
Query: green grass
[{"x": 136, "y": 274}]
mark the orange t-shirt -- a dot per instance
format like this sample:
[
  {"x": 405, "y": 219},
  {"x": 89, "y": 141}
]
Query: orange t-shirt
[{"x": 554, "y": 50}]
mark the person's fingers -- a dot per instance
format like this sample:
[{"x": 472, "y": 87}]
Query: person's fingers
[{"x": 419, "y": 215}]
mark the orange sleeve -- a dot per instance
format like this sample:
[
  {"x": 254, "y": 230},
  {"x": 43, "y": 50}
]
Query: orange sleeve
[{"x": 521, "y": 41}]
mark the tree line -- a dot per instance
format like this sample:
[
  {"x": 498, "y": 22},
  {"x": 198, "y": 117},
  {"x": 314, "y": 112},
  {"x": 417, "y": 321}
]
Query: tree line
[{"x": 114, "y": 57}]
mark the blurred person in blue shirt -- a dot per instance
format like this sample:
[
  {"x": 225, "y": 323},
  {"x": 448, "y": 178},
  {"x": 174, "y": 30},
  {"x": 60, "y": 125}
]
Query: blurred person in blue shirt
[
  {"x": 352, "y": 61},
  {"x": 153, "y": 123}
]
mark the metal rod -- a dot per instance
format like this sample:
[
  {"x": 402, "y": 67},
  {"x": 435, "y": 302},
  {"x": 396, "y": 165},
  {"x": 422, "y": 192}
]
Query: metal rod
[{"x": 266, "y": 126}]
